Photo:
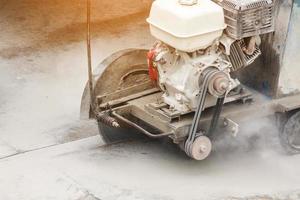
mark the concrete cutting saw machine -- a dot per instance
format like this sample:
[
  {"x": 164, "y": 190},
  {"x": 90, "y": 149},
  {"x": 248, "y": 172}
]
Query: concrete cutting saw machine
[{"x": 216, "y": 65}]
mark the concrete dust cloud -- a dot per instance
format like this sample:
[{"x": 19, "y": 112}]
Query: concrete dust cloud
[{"x": 254, "y": 136}]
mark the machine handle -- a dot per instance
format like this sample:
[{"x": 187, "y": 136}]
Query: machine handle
[{"x": 119, "y": 117}]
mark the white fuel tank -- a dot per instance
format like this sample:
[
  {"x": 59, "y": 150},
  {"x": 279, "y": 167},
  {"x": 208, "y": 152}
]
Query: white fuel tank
[{"x": 186, "y": 27}]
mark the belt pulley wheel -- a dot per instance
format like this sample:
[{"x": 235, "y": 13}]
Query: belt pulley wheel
[
  {"x": 201, "y": 148},
  {"x": 219, "y": 84},
  {"x": 198, "y": 146}
]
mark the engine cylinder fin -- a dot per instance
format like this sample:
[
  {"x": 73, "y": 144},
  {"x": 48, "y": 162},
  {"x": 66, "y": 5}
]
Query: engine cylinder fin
[
  {"x": 238, "y": 58},
  {"x": 246, "y": 18}
]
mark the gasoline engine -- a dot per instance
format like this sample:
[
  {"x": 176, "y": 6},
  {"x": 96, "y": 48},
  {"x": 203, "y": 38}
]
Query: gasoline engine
[{"x": 200, "y": 43}]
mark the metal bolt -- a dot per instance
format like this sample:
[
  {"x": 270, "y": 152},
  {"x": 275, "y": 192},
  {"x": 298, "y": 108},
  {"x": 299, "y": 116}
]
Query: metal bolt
[
  {"x": 116, "y": 124},
  {"x": 203, "y": 148}
]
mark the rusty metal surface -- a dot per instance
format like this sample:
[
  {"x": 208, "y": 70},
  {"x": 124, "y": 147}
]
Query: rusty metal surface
[
  {"x": 129, "y": 95},
  {"x": 114, "y": 95},
  {"x": 140, "y": 128},
  {"x": 288, "y": 103}
]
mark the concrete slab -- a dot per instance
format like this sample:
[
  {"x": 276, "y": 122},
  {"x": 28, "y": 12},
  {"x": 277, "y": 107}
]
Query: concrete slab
[
  {"x": 146, "y": 170},
  {"x": 6, "y": 149}
]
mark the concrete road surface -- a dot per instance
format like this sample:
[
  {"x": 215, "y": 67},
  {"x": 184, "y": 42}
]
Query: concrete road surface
[
  {"x": 145, "y": 170},
  {"x": 46, "y": 152}
]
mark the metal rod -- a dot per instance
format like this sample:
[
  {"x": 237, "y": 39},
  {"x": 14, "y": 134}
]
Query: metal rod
[
  {"x": 89, "y": 52},
  {"x": 140, "y": 128}
]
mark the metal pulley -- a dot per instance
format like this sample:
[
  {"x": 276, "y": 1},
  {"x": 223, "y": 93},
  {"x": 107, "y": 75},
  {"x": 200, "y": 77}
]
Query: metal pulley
[
  {"x": 219, "y": 84},
  {"x": 201, "y": 148}
]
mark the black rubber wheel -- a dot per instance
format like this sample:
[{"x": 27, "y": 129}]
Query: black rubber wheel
[
  {"x": 112, "y": 135},
  {"x": 290, "y": 135}
]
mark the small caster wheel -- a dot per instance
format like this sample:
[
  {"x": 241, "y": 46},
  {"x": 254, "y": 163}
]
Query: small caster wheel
[{"x": 290, "y": 135}]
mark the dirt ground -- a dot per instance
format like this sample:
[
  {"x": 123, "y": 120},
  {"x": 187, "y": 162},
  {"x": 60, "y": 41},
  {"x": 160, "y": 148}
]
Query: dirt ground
[{"x": 47, "y": 152}]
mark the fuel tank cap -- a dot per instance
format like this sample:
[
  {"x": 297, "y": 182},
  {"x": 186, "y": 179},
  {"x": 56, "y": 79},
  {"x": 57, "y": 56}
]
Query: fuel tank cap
[{"x": 188, "y": 2}]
